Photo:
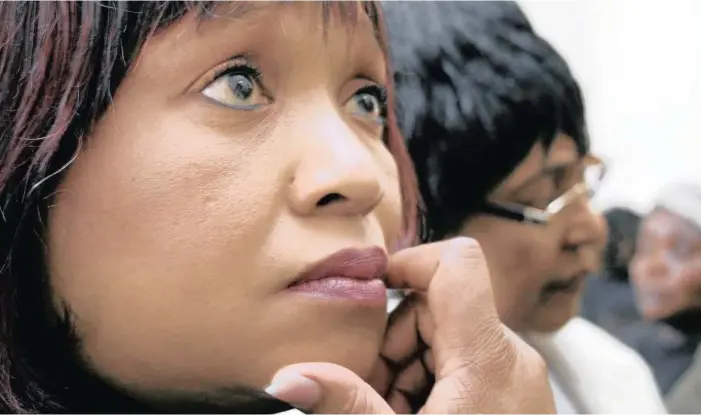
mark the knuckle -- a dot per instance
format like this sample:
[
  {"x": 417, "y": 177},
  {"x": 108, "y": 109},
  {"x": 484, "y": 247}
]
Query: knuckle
[
  {"x": 355, "y": 403},
  {"x": 503, "y": 350},
  {"x": 467, "y": 251},
  {"x": 466, "y": 397},
  {"x": 465, "y": 245},
  {"x": 463, "y": 361},
  {"x": 490, "y": 353},
  {"x": 490, "y": 377},
  {"x": 527, "y": 360}
]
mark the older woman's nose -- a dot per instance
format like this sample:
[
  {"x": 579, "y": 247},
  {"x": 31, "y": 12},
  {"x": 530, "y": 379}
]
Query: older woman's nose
[{"x": 586, "y": 227}]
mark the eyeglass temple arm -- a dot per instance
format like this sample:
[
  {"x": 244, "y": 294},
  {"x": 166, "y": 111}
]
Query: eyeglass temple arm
[
  {"x": 520, "y": 214},
  {"x": 576, "y": 191}
]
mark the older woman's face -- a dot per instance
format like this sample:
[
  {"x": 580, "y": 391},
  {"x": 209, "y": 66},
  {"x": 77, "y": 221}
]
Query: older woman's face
[
  {"x": 239, "y": 150},
  {"x": 666, "y": 268},
  {"x": 538, "y": 270}
]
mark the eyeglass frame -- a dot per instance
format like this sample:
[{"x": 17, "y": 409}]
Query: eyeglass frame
[{"x": 529, "y": 214}]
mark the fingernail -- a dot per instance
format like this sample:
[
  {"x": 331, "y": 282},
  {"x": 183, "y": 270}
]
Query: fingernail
[{"x": 295, "y": 389}]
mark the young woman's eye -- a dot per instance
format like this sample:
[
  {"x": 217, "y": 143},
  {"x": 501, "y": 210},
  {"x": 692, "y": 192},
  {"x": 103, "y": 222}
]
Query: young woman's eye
[
  {"x": 369, "y": 102},
  {"x": 237, "y": 87}
]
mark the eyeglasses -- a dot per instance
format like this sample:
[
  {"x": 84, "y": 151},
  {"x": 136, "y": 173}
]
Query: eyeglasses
[{"x": 579, "y": 180}]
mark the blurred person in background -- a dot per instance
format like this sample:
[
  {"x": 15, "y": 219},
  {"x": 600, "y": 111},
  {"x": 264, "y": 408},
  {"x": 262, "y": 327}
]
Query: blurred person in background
[
  {"x": 495, "y": 124},
  {"x": 666, "y": 277},
  {"x": 608, "y": 299}
]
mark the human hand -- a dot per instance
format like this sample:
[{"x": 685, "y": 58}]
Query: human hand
[{"x": 445, "y": 352}]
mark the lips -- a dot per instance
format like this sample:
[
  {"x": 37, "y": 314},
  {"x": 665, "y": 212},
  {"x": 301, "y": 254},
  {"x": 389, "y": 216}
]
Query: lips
[
  {"x": 351, "y": 274},
  {"x": 361, "y": 264},
  {"x": 566, "y": 286}
]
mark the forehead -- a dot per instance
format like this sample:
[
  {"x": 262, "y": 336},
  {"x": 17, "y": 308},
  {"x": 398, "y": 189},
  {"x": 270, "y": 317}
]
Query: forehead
[
  {"x": 325, "y": 15},
  {"x": 299, "y": 37},
  {"x": 346, "y": 10},
  {"x": 662, "y": 222}
]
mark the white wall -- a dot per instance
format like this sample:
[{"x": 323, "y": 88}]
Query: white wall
[{"x": 639, "y": 64}]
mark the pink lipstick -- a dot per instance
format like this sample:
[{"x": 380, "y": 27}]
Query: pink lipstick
[{"x": 350, "y": 274}]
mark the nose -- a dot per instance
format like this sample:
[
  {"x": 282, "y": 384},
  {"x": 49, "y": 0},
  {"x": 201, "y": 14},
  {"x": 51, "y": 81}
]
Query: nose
[
  {"x": 337, "y": 173},
  {"x": 586, "y": 228},
  {"x": 649, "y": 267}
]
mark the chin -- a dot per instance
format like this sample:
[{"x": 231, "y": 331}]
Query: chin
[
  {"x": 552, "y": 324},
  {"x": 254, "y": 368},
  {"x": 357, "y": 350},
  {"x": 352, "y": 345},
  {"x": 551, "y": 319},
  {"x": 216, "y": 359},
  {"x": 654, "y": 314}
]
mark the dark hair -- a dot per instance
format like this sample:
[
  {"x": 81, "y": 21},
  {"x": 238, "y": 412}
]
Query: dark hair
[
  {"x": 623, "y": 225},
  {"x": 60, "y": 64},
  {"x": 476, "y": 89}
]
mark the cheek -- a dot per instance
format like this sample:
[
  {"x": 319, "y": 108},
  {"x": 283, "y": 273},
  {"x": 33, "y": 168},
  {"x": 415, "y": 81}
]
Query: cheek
[
  {"x": 159, "y": 197},
  {"x": 389, "y": 212},
  {"x": 167, "y": 242},
  {"x": 648, "y": 269},
  {"x": 169, "y": 223},
  {"x": 518, "y": 263},
  {"x": 690, "y": 281},
  {"x": 635, "y": 268},
  {"x": 526, "y": 256}
]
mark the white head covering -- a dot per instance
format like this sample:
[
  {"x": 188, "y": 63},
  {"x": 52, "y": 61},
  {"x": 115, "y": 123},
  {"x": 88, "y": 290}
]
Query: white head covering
[{"x": 682, "y": 199}]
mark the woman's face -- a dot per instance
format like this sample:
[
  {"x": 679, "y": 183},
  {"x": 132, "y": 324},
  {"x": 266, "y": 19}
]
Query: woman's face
[
  {"x": 239, "y": 150},
  {"x": 666, "y": 268},
  {"x": 538, "y": 270}
]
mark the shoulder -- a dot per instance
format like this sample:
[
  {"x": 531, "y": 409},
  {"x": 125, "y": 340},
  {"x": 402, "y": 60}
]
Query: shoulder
[{"x": 602, "y": 373}]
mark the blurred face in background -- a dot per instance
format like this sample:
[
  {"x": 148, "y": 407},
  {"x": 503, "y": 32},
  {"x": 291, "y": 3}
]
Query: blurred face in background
[
  {"x": 538, "y": 269},
  {"x": 666, "y": 268}
]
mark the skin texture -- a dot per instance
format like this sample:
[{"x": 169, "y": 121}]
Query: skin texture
[
  {"x": 666, "y": 267},
  {"x": 182, "y": 220},
  {"x": 525, "y": 259}
]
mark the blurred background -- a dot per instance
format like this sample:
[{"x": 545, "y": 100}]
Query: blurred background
[{"x": 639, "y": 65}]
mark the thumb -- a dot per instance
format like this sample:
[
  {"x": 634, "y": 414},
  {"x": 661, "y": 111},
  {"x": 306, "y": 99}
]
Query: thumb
[{"x": 326, "y": 388}]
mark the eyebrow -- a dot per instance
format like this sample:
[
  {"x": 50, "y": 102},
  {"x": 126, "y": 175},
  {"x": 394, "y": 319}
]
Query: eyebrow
[
  {"x": 546, "y": 170},
  {"x": 243, "y": 8},
  {"x": 238, "y": 10},
  {"x": 554, "y": 167}
]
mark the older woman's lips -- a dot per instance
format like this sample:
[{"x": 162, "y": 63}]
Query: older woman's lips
[
  {"x": 350, "y": 274},
  {"x": 568, "y": 287}
]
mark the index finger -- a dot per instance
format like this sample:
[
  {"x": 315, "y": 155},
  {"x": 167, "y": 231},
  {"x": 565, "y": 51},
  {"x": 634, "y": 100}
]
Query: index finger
[
  {"x": 414, "y": 267},
  {"x": 455, "y": 277},
  {"x": 454, "y": 269}
]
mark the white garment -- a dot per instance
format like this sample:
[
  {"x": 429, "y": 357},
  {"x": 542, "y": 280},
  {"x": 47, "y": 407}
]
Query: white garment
[
  {"x": 393, "y": 300},
  {"x": 592, "y": 372},
  {"x": 563, "y": 405},
  {"x": 595, "y": 373}
]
